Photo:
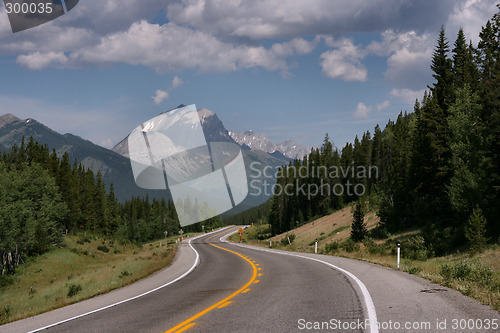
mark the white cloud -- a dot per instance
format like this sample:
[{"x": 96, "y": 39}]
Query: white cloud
[
  {"x": 408, "y": 96},
  {"x": 159, "y": 96},
  {"x": 170, "y": 47},
  {"x": 344, "y": 61},
  {"x": 362, "y": 111},
  {"x": 383, "y": 105},
  {"x": 176, "y": 82},
  {"x": 409, "y": 56},
  {"x": 470, "y": 15},
  {"x": 229, "y": 35},
  {"x": 273, "y": 19},
  {"x": 39, "y": 61}
]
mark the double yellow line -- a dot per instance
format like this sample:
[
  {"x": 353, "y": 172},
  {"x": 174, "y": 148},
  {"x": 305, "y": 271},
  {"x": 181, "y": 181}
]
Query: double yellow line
[{"x": 222, "y": 303}]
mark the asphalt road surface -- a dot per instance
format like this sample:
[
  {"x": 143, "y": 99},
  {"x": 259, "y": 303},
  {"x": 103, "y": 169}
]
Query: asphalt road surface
[{"x": 236, "y": 288}]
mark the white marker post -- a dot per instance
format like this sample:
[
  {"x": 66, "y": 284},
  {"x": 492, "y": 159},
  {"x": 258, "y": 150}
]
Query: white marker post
[
  {"x": 270, "y": 243},
  {"x": 399, "y": 253},
  {"x": 316, "y": 246}
]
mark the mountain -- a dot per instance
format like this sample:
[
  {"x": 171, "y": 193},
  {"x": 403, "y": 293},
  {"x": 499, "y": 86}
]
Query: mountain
[
  {"x": 288, "y": 148},
  {"x": 255, "y": 159},
  {"x": 115, "y": 164},
  {"x": 114, "y": 167},
  {"x": 213, "y": 129}
]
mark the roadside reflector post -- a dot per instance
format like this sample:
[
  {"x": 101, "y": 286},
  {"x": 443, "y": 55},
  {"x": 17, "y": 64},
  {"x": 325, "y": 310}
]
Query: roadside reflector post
[
  {"x": 270, "y": 243},
  {"x": 288, "y": 237},
  {"x": 399, "y": 253},
  {"x": 316, "y": 246}
]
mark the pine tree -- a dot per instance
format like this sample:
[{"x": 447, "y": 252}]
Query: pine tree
[
  {"x": 475, "y": 232},
  {"x": 464, "y": 68},
  {"x": 442, "y": 90},
  {"x": 358, "y": 226},
  {"x": 468, "y": 149},
  {"x": 488, "y": 59}
]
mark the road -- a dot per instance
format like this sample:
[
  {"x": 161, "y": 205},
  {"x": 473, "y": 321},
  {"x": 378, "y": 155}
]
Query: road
[{"x": 237, "y": 288}]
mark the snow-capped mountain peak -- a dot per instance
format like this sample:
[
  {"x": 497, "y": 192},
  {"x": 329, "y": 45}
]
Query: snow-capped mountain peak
[{"x": 259, "y": 141}]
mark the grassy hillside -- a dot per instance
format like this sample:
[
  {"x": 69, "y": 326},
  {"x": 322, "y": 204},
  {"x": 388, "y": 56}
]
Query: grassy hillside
[
  {"x": 477, "y": 276},
  {"x": 79, "y": 268}
]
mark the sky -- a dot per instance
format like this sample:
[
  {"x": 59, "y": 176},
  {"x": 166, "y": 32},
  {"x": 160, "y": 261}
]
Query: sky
[{"x": 291, "y": 69}]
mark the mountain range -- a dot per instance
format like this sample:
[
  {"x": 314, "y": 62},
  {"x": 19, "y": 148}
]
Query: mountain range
[
  {"x": 286, "y": 149},
  {"x": 115, "y": 165}
]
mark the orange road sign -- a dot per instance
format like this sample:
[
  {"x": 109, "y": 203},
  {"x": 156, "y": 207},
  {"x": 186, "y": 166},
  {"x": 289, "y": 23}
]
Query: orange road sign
[{"x": 240, "y": 230}]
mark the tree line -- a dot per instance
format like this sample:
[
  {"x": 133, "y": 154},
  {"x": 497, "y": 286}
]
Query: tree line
[
  {"x": 44, "y": 196},
  {"x": 436, "y": 166}
]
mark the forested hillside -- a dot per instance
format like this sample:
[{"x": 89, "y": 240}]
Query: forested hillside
[
  {"x": 430, "y": 169},
  {"x": 43, "y": 197}
]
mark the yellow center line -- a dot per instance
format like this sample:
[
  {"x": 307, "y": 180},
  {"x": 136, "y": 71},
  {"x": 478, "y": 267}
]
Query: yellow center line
[
  {"x": 182, "y": 329},
  {"x": 188, "y": 323},
  {"x": 225, "y": 304}
]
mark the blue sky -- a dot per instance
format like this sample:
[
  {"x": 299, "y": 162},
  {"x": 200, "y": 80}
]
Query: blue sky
[{"x": 291, "y": 69}]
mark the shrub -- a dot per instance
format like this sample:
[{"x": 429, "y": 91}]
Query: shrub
[
  {"x": 284, "y": 240},
  {"x": 468, "y": 270},
  {"x": 372, "y": 247},
  {"x": 332, "y": 247},
  {"x": 4, "y": 314},
  {"x": 350, "y": 245},
  {"x": 83, "y": 239},
  {"x": 103, "y": 248},
  {"x": 74, "y": 289},
  {"x": 124, "y": 274},
  {"x": 416, "y": 249}
]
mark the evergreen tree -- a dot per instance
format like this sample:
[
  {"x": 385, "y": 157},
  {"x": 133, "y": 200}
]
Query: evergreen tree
[
  {"x": 488, "y": 59},
  {"x": 468, "y": 148},
  {"x": 441, "y": 65},
  {"x": 464, "y": 68},
  {"x": 358, "y": 226},
  {"x": 475, "y": 232}
]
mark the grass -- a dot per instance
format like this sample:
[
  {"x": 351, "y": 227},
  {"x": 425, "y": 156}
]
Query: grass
[
  {"x": 78, "y": 270},
  {"x": 477, "y": 277}
]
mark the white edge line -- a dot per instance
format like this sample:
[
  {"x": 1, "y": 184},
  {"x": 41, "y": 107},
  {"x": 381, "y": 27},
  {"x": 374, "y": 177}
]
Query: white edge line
[
  {"x": 370, "y": 307},
  {"x": 196, "y": 262}
]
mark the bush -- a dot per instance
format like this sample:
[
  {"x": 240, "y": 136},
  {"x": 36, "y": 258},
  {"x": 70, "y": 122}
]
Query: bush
[
  {"x": 332, "y": 247},
  {"x": 83, "y": 239},
  {"x": 372, "y": 247},
  {"x": 284, "y": 240},
  {"x": 350, "y": 245},
  {"x": 74, "y": 289},
  {"x": 103, "y": 248},
  {"x": 4, "y": 314},
  {"x": 416, "y": 249},
  {"x": 468, "y": 270},
  {"x": 124, "y": 274}
]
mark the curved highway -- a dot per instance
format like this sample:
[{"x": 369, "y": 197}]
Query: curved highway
[{"x": 216, "y": 286}]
